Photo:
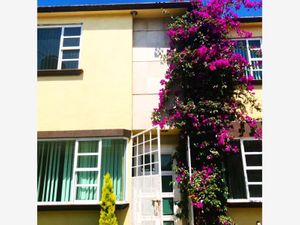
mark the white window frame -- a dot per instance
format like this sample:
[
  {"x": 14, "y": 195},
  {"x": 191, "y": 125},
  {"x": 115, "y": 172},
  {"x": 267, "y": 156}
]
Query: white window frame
[
  {"x": 169, "y": 194},
  {"x": 73, "y": 200},
  {"x": 62, "y": 37},
  {"x": 250, "y": 59},
  {"x": 143, "y": 152},
  {"x": 245, "y": 168}
]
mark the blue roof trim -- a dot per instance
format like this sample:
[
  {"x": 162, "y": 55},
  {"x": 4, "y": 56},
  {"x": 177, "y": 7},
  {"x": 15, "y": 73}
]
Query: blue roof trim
[{"x": 68, "y": 5}]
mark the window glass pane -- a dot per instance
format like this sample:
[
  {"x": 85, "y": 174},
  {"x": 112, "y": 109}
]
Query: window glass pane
[
  {"x": 147, "y": 169},
  {"x": 70, "y": 54},
  {"x": 113, "y": 162},
  {"x": 140, "y": 149},
  {"x": 254, "y": 160},
  {"x": 88, "y": 146},
  {"x": 134, "y": 151},
  {"x": 55, "y": 170},
  {"x": 257, "y": 75},
  {"x": 255, "y": 191},
  {"x": 147, "y": 146},
  {"x": 166, "y": 162},
  {"x": 72, "y": 31},
  {"x": 140, "y": 160},
  {"x": 87, "y": 177},
  {"x": 154, "y": 157},
  {"x": 256, "y": 64},
  {"x": 140, "y": 171},
  {"x": 69, "y": 65},
  {"x": 87, "y": 161},
  {"x": 155, "y": 168},
  {"x": 154, "y": 144},
  {"x": 253, "y": 146},
  {"x": 256, "y": 53},
  {"x": 168, "y": 223},
  {"x": 68, "y": 42},
  {"x": 133, "y": 172},
  {"x": 241, "y": 48},
  {"x": 86, "y": 193},
  {"x": 234, "y": 175},
  {"x": 167, "y": 186},
  {"x": 147, "y": 158},
  {"x": 254, "y": 175},
  {"x": 48, "y": 47},
  {"x": 254, "y": 43},
  {"x": 134, "y": 161},
  {"x": 168, "y": 206}
]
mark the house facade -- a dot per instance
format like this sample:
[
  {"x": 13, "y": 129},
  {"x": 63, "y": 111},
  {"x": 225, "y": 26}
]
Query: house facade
[{"x": 99, "y": 68}]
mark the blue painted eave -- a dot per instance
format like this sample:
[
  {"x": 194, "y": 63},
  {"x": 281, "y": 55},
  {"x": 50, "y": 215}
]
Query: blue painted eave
[{"x": 242, "y": 13}]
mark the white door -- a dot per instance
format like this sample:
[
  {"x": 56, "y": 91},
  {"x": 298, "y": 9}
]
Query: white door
[{"x": 146, "y": 178}]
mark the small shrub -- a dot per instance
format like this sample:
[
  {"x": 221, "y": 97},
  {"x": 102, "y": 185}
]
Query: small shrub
[{"x": 108, "y": 203}]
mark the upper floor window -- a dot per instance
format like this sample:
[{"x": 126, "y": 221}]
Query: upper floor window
[
  {"x": 251, "y": 50},
  {"x": 58, "y": 47},
  {"x": 72, "y": 170},
  {"x": 244, "y": 172}
]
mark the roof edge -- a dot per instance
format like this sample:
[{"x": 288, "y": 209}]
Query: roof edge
[
  {"x": 76, "y": 8},
  {"x": 129, "y": 6}
]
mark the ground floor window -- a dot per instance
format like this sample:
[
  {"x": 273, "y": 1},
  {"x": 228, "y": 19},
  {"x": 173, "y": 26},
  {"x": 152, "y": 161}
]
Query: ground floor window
[
  {"x": 244, "y": 171},
  {"x": 73, "y": 170}
]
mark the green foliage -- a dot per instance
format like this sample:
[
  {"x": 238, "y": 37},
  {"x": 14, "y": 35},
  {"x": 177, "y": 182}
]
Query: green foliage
[{"x": 108, "y": 203}]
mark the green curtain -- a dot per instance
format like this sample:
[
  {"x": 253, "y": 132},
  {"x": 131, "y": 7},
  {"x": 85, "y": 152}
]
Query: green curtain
[
  {"x": 55, "y": 169},
  {"x": 87, "y": 177},
  {"x": 113, "y": 162}
]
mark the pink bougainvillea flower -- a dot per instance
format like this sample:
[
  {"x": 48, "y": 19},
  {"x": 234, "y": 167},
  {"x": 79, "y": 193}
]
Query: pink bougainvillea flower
[
  {"x": 212, "y": 67},
  {"x": 162, "y": 82},
  {"x": 193, "y": 30},
  {"x": 198, "y": 205},
  {"x": 202, "y": 51},
  {"x": 171, "y": 33}
]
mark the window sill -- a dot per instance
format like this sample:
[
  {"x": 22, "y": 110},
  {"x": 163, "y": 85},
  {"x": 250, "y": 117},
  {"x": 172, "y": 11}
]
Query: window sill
[
  {"x": 65, "y": 206},
  {"x": 249, "y": 204},
  {"x": 257, "y": 82},
  {"x": 63, "y": 72}
]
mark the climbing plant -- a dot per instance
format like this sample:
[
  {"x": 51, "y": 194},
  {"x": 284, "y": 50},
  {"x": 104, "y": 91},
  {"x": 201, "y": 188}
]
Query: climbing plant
[{"x": 206, "y": 89}]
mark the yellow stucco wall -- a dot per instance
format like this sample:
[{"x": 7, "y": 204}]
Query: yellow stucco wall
[
  {"x": 259, "y": 96},
  {"x": 245, "y": 216},
  {"x": 76, "y": 217},
  {"x": 101, "y": 97}
]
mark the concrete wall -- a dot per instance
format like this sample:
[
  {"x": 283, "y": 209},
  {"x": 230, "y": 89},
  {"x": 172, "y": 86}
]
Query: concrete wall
[
  {"x": 101, "y": 97},
  {"x": 149, "y": 40}
]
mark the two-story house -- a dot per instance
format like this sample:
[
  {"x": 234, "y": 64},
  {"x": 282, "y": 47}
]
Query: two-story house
[{"x": 99, "y": 68}]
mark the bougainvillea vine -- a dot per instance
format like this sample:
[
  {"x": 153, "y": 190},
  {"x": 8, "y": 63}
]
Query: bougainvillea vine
[{"x": 206, "y": 89}]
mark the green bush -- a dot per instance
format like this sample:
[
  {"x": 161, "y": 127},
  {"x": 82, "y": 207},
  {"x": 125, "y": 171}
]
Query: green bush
[{"x": 108, "y": 203}]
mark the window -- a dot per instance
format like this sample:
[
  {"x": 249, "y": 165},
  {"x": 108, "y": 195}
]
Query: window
[
  {"x": 250, "y": 49},
  {"x": 244, "y": 172},
  {"x": 73, "y": 170},
  {"x": 58, "y": 47},
  {"x": 167, "y": 177}
]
